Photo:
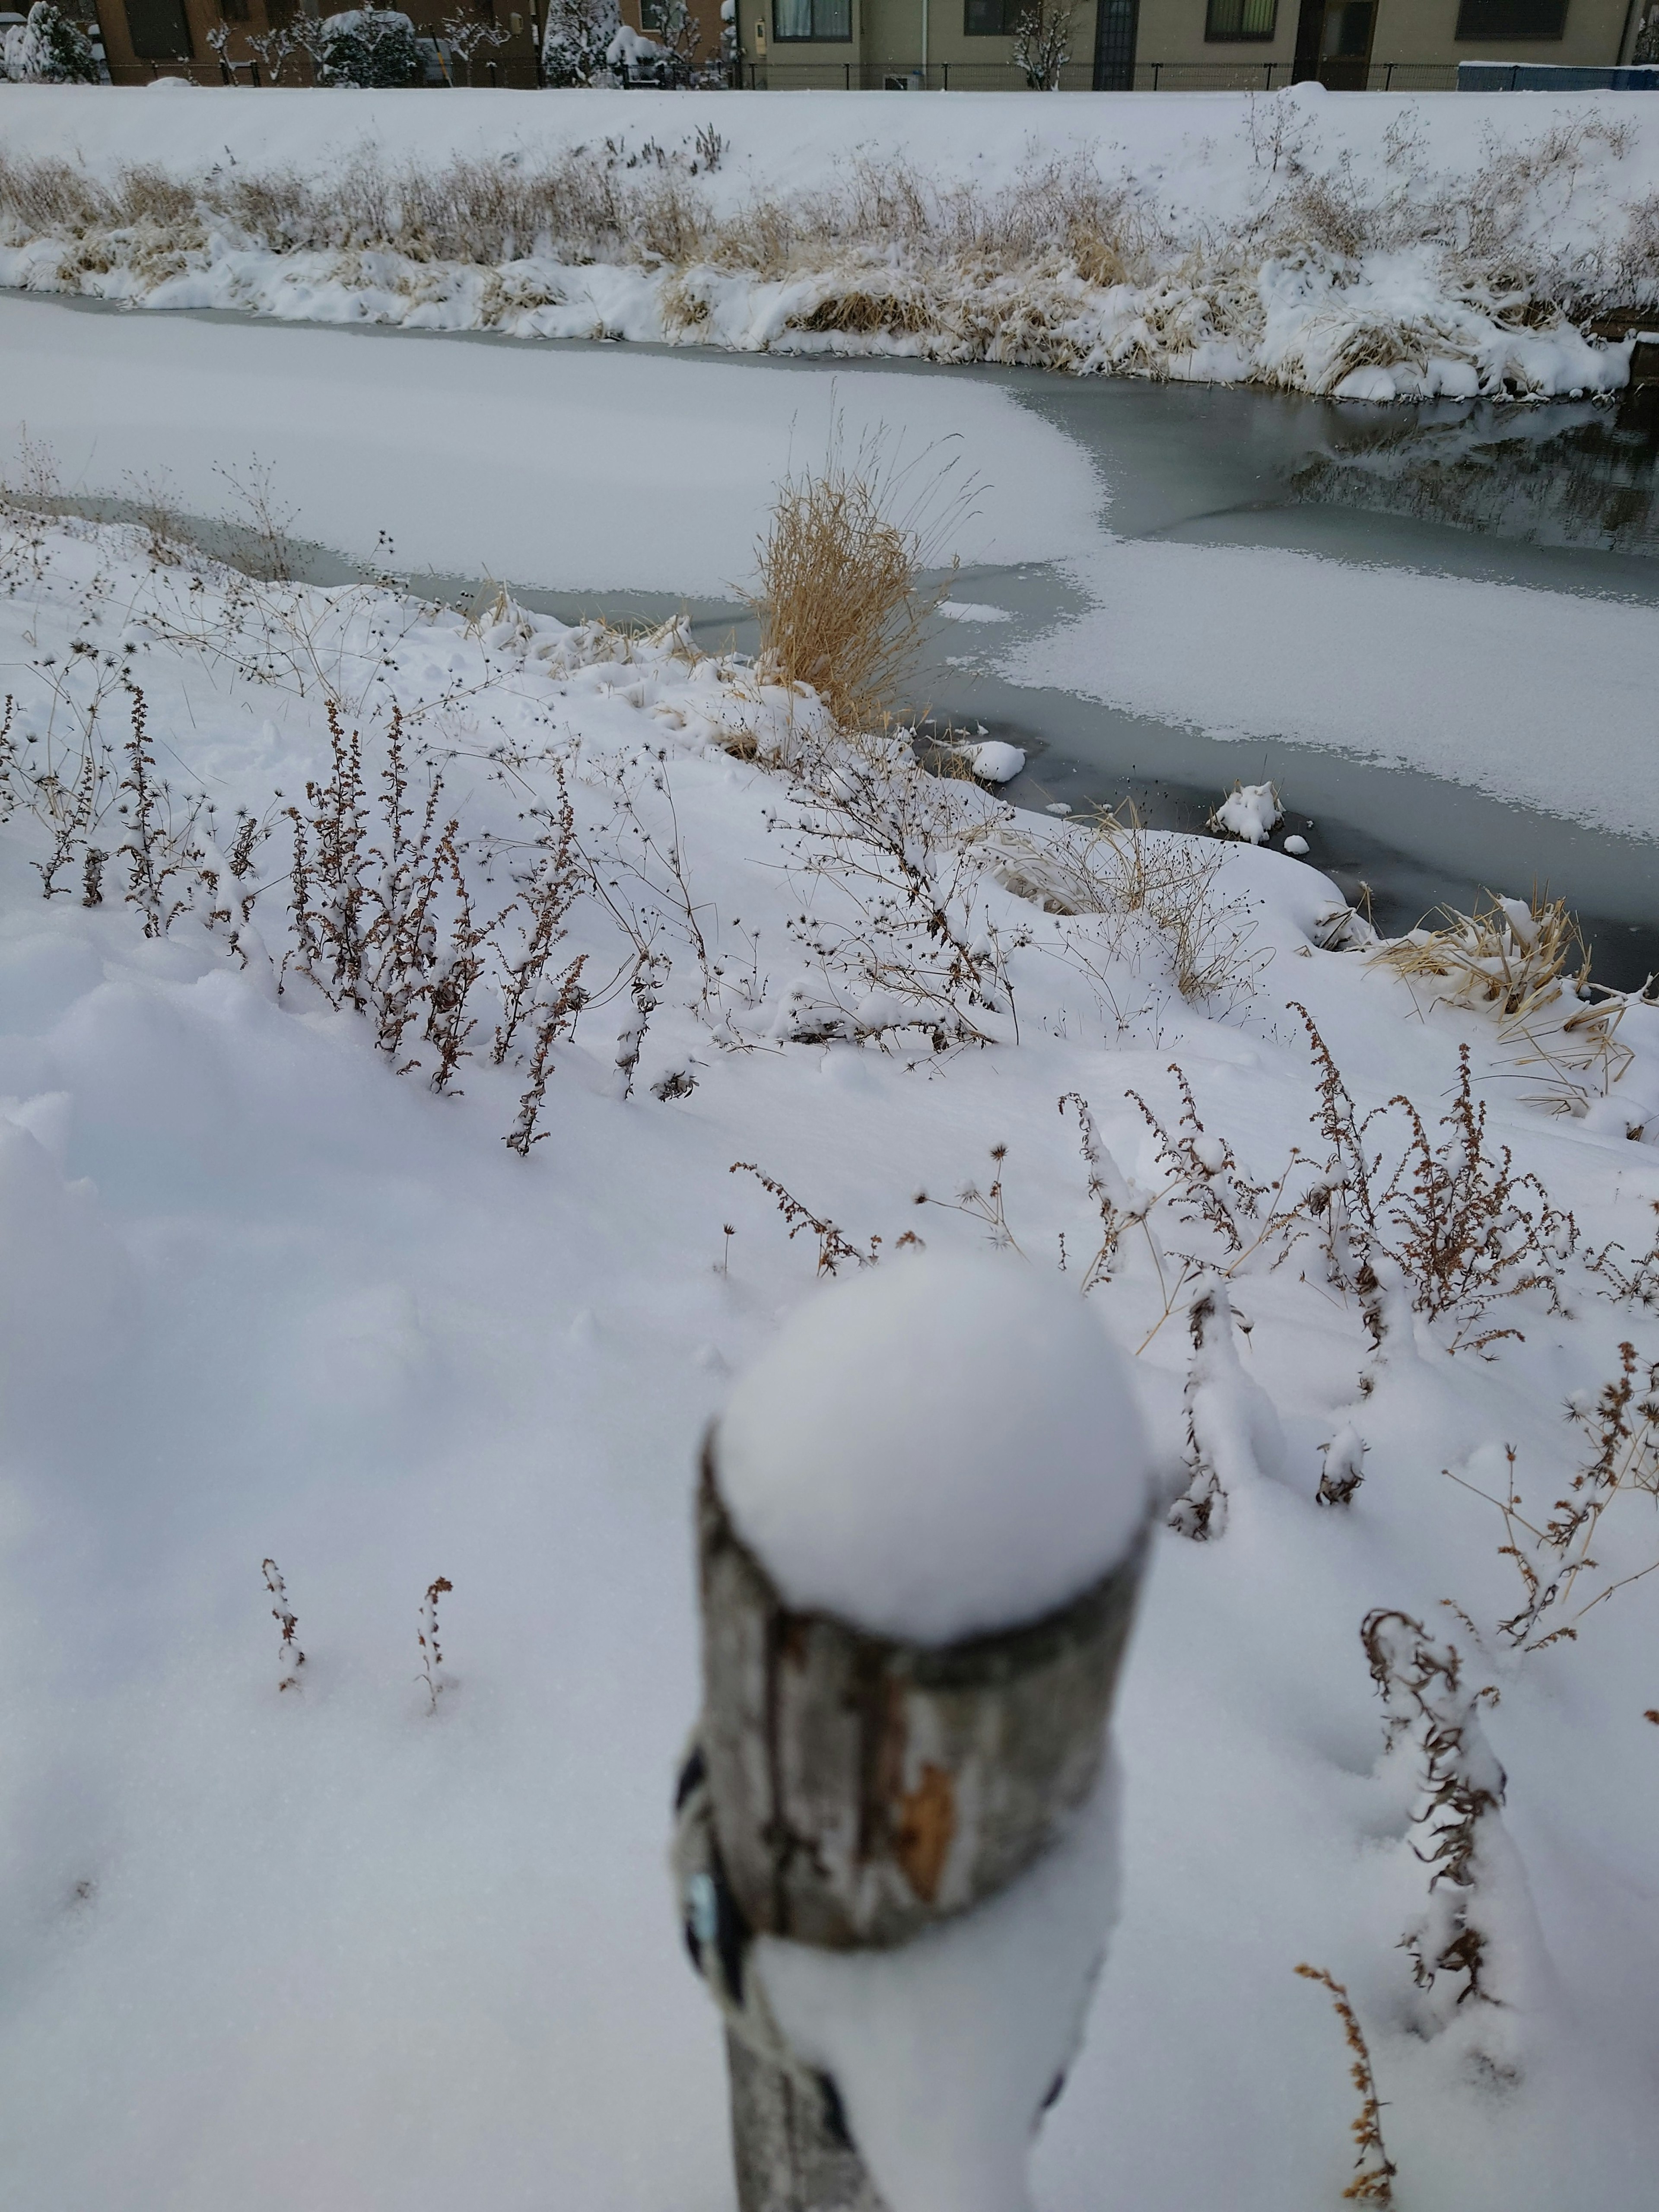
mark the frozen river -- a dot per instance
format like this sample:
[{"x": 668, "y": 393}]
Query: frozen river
[{"x": 1433, "y": 627}]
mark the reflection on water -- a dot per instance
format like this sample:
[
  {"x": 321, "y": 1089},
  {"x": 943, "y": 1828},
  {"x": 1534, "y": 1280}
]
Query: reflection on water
[{"x": 1580, "y": 475}]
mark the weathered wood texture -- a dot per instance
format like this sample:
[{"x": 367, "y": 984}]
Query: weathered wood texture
[
  {"x": 791, "y": 2152},
  {"x": 863, "y": 1789},
  {"x": 857, "y": 1791}
]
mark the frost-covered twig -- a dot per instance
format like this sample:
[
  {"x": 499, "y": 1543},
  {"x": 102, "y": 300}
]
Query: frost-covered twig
[
  {"x": 432, "y": 1657},
  {"x": 289, "y": 1657}
]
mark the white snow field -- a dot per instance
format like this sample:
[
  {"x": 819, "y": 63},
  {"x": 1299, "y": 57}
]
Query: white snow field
[
  {"x": 269, "y": 1295},
  {"x": 1374, "y": 246}
]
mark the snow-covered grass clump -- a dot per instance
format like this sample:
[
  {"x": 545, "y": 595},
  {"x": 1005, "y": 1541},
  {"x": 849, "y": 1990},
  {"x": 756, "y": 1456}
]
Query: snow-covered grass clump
[
  {"x": 1375, "y": 247},
  {"x": 436, "y": 1052}
]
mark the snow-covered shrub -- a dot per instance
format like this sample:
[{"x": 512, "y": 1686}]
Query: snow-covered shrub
[
  {"x": 634, "y": 58},
  {"x": 462, "y": 35},
  {"x": 576, "y": 44},
  {"x": 1043, "y": 42},
  {"x": 48, "y": 48},
  {"x": 370, "y": 47}
]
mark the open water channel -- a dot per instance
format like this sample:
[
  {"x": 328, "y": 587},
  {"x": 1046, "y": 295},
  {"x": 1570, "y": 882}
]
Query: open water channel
[{"x": 1562, "y": 497}]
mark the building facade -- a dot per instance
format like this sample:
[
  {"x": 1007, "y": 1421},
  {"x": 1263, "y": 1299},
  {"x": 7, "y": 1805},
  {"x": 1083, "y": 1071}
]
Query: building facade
[
  {"x": 1175, "y": 45},
  {"x": 213, "y": 40}
]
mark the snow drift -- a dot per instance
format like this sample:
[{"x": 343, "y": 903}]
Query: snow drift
[{"x": 1374, "y": 247}]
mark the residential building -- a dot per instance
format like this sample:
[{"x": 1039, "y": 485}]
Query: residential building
[
  {"x": 145, "y": 38},
  {"x": 1175, "y": 44}
]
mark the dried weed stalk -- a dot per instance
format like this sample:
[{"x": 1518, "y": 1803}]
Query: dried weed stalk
[
  {"x": 431, "y": 1658},
  {"x": 894, "y": 914},
  {"x": 1553, "y": 1559},
  {"x": 1460, "y": 1787},
  {"x": 1374, "y": 2170},
  {"x": 833, "y": 1248},
  {"x": 1451, "y": 1215}
]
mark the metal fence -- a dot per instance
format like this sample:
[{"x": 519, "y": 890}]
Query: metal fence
[
  {"x": 519, "y": 71},
  {"x": 516, "y": 70},
  {"x": 1150, "y": 76}
]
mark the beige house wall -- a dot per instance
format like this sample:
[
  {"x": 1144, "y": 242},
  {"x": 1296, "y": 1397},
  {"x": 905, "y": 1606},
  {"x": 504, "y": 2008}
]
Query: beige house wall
[
  {"x": 888, "y": 34},
  {"x": 887, "y": 38},
  {"x": 1426, "y": 31},
  {"x": 1173, "y": 31}
]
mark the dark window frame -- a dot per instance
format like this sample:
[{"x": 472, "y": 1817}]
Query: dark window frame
[
  {"x": 814, "y": 37},
  {"x": 1470, "y": 33},
  {"x": 1215, "y": 37},
  {"x": 1008, "y": 16}
]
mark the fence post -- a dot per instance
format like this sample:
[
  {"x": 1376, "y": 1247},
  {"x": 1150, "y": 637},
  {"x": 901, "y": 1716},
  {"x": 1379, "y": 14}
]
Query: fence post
[{"x": 856, "y": 1783}]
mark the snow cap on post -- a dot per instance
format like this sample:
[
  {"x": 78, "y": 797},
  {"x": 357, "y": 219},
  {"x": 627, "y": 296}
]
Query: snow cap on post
[{"x": 939, "y": 1450}]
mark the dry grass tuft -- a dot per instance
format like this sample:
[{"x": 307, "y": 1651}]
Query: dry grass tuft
[
  {"x": 1103, "y": 863},
  {"x": 1506, "y": 957},
  {"x": 840, "y": 601}
]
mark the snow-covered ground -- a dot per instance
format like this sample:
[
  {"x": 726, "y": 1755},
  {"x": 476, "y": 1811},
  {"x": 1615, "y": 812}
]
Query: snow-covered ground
[
  {"x": 1374, "y": 246},
  {"x": 268, "y": 1298}
]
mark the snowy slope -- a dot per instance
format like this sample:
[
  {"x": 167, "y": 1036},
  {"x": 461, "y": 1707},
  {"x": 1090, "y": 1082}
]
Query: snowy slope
[
  {"x": 1374, "y": 246},
  {"x": 265, "y": 1296}
]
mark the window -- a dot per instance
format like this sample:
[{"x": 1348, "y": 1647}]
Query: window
[
  {"x": 991, "y": 19},
  {"x": 653, "y": 14},
  {"x": 1512, "y": 19},
  {"x": 160, "y": 31},
  {"x": 823, "y": 20},
  {"x": 1240, "y": 19}
]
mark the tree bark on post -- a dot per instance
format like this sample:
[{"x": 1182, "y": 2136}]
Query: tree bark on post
[{"x": 851, "y": 1791}]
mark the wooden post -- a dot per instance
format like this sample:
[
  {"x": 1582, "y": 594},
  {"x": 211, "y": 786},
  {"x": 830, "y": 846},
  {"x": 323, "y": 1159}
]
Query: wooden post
[{"x": 848, "y": 1790}]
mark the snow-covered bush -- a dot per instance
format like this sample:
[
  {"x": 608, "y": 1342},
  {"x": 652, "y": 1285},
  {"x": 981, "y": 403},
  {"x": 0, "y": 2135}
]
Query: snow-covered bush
[
  {"x": 47, "y": 49},
  {"x": 370, "y": 47},
  {"x": 1043, "y": 42},
  {"x": 576, "y": 46}
]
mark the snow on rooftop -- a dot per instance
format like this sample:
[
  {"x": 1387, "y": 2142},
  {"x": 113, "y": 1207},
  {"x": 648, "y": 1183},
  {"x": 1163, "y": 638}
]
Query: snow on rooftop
[{"x": 936, "y": 1450}]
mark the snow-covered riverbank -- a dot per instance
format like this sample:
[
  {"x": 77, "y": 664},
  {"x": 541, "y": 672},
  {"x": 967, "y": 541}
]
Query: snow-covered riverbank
[
  {"x": 1372, "y": 245},
  {"x": 266, "y": 1296}
]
